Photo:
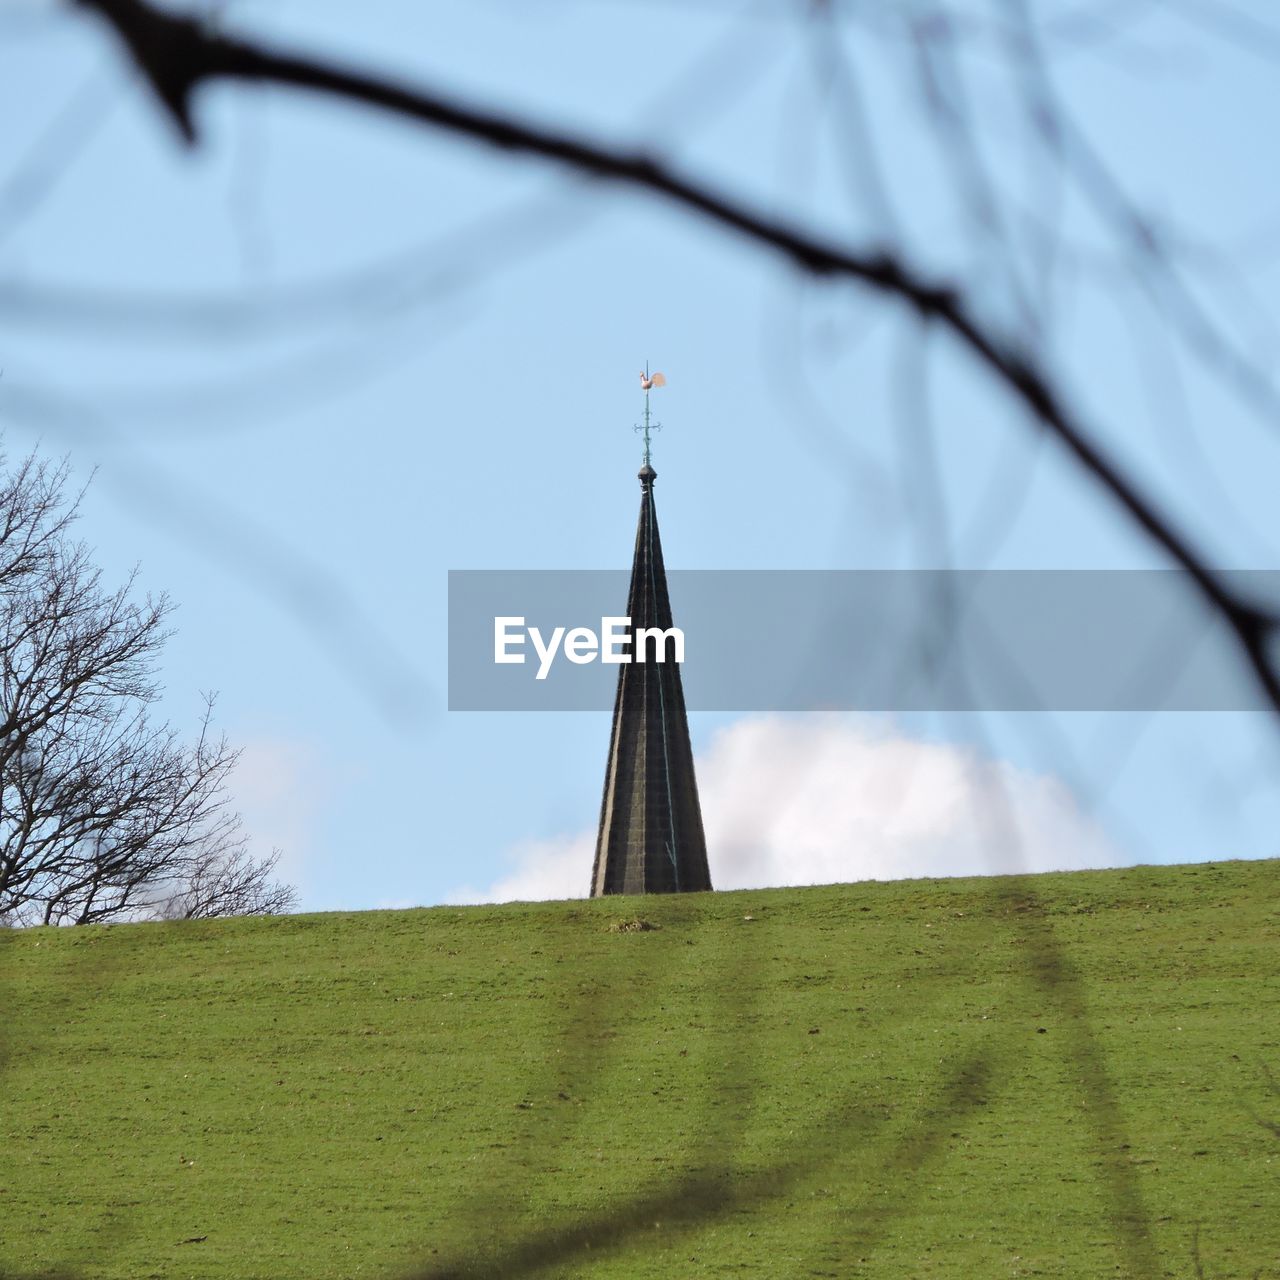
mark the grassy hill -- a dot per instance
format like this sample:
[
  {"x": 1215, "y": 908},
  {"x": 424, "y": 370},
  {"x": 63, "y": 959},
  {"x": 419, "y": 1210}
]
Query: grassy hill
[{"x": 1063, "y": 1075}]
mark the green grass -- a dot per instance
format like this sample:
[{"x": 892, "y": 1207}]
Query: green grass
[{"x": 1058, "y": 1076}]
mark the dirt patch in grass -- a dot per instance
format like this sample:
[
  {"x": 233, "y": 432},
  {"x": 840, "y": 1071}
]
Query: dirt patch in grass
[{"x": 635, "y": 925}]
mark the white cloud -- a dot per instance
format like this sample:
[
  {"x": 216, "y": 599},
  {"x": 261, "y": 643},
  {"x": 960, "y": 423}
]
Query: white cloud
[
  {"x": 280, "y": 789},
  {"x": 791, "y": 801},
  {"x": 555, "y": 868},
  {"x": 822, "y": 800}
]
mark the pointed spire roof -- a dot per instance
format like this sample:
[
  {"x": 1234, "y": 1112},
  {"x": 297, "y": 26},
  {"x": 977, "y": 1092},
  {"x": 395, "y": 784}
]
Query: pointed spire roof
[{"x": 650, "y": 838}]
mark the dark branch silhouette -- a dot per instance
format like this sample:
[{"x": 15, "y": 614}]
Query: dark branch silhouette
[{"x": 178, "y": 54}]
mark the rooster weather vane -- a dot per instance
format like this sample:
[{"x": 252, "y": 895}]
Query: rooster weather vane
[{"x": 647, "y": 383}]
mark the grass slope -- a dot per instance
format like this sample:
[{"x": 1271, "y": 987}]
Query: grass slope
[{"x": 1061, "y": 1076}]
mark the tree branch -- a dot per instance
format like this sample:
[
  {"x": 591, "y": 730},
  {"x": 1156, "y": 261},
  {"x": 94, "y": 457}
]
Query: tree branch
[{"x": 178, "y": 54}]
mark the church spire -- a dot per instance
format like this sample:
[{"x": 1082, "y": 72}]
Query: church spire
[{"x": 650, "y": 838}]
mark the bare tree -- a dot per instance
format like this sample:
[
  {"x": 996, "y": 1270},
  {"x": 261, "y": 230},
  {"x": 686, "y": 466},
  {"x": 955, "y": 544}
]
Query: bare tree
[
  {"x": 103, "y": 814},
  {"x": 230, "y": 882}
]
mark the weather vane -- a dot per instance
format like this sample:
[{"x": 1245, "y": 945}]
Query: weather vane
[{"x": 647, "y": 382}]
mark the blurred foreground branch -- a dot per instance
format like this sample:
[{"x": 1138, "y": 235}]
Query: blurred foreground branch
[{"x": 178, "y": 54}]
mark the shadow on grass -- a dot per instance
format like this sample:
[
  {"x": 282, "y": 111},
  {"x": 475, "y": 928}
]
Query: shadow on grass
[
  {"x": 664, "y": 1213},
  {"x": 717, "y": 1191}
]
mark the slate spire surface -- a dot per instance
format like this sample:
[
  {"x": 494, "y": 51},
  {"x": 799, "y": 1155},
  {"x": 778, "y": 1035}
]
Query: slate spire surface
[{"x": 650, "y": 838}]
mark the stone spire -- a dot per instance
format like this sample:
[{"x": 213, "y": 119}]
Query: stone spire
[{"x": 650, "y": 838}]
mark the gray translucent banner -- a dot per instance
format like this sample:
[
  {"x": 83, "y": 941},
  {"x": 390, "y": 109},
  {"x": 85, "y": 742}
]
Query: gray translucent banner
[{"x": 867, "y": 640}]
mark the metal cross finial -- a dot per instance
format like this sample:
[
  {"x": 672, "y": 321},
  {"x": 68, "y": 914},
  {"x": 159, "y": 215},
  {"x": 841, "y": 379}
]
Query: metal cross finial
[{"x": 647, "y": 382}]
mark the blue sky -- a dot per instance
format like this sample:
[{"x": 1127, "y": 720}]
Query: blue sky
[{"x": 325, "y": 358}]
